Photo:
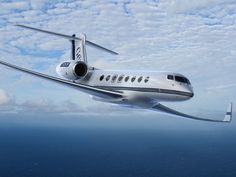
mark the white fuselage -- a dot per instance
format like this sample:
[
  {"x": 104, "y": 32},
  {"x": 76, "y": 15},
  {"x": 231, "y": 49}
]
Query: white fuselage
[{"x": 139, "y": 88}]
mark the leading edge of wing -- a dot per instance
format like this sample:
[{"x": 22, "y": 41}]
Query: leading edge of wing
[
  {"x": 162, "y": 108},
  {"x": 88, "y": 89}
]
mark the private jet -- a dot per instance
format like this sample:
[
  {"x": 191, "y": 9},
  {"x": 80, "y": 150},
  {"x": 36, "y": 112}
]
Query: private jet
[{"x": 140, "y": 89}]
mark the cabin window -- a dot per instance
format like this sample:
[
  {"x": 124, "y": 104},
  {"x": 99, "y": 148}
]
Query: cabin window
[
  {"x": 170, "y": 77},
  {"x": 65, "y": 64},
  {"x": 140, "y": 78},
  {"x": 102, "y": 77},
  {"x": 120, "y": 78},
  {"x": 114, "y": 78},
  {"x": 126, "y": 78},
  {"x": 108, "y": 77},
  {"x": 146, "y": 79},
  {"x": 133, "y": 79}
]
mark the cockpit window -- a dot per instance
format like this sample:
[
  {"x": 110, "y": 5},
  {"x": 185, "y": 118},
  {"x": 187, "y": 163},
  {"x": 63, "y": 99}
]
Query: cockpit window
[
  {"x": 188, "y": 82},
  {"x": 170, "y": 77},
  {"x": 182, "y": 79}
]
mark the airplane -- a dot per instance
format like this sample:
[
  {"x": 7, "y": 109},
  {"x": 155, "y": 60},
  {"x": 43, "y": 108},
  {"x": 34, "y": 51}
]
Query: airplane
[{"x": 140, "y": 89}]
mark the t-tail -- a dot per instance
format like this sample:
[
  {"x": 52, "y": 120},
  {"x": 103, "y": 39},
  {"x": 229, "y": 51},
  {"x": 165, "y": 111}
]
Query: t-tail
[{"x": 78, "y": 48}]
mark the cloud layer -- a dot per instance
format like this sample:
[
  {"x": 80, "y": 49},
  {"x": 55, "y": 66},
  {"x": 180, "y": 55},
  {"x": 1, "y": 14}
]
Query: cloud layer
[
  {"x": 195, "y": 38},
  {"x": 4, "y": 97}
]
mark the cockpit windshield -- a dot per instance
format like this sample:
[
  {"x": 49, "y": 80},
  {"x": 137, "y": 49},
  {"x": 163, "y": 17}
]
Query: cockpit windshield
[
  {"x": 182, "y": 79},
  {"x": 179, "y": 79}
]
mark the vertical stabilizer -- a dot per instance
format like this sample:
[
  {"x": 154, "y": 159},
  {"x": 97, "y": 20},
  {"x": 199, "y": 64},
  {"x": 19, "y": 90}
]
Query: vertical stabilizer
[{"x": 78, "y": 48}]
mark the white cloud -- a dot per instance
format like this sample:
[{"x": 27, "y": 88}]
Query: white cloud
[
  {"x": 48, "y": 106},
  {"x": 7, "y": 7},
  {"x": 196, "y": 40},
  {"x": 64, "y": 107},
  {"x": 37, "y": 4},
  {"x": 4, "y": 97},
  {"x": 186, "y": 5}
]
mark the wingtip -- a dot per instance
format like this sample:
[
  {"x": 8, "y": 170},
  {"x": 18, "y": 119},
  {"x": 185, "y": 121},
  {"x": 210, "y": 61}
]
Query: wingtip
[{"x": 229, "y": 113}]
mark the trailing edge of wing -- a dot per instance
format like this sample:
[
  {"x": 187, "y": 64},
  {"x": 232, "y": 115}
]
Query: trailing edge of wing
[
  {"x": 88, "y": 89},
  {"x": 92, "y": 44},
  {"x": 162, "y": 108}
]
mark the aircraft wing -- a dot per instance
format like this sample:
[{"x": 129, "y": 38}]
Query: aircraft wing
[
  {"x": 85, "y": 88},
  {"x": 162, "y": 108}
]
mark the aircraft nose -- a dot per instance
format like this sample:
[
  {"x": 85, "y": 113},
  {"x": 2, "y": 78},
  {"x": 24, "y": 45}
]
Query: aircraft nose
[{"x": 191, "y": 94}]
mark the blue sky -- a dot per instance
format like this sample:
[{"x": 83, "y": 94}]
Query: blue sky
[{"x": 195, "y": 38}]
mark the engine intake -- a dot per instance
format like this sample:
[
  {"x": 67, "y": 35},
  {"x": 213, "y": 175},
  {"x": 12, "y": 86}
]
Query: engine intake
[
  {"x": 80, "y": 69},
  {"x": 73, "y": 70}
]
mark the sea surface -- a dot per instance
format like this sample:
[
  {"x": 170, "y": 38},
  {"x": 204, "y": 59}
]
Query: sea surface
[{"x": 72, "y": 146}]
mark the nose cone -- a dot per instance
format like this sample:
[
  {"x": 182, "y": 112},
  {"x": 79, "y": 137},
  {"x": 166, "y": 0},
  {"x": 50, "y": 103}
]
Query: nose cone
[
  {"x": 189, "y": 89},
  {"x": 191, "y": 94}
]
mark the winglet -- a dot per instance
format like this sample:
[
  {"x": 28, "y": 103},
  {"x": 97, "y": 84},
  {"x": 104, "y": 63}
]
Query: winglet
[{"x": 228, "y": 114}]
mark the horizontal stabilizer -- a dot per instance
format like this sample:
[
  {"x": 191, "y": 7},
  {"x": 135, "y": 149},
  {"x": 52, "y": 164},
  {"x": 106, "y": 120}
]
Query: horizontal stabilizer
[{"x": 89, "y": 43}]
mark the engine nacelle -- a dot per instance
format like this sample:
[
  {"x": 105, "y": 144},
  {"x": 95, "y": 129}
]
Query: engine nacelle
[{"x": 72, "y": 69}]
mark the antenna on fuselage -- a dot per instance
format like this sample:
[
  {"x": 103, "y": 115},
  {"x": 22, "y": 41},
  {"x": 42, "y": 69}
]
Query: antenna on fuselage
[{"x": 72, "y": 38}]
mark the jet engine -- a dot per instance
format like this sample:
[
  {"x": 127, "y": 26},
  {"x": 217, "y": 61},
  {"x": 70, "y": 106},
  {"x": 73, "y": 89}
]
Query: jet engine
[{"x": 72, "y": 70}]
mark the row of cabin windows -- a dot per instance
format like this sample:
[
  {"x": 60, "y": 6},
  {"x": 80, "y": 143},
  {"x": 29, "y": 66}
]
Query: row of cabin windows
[
  {"x": 178, "y": 79},
  {"x": 121, "y": 77}
]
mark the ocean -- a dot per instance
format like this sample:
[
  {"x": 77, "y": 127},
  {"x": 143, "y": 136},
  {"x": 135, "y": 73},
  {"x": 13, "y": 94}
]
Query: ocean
[{"x": 72, "y": 146}]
